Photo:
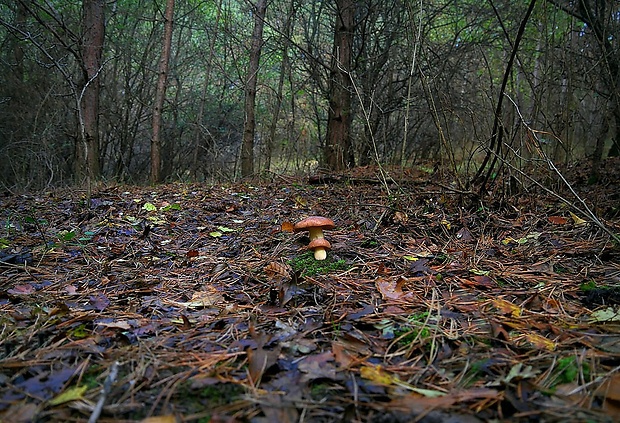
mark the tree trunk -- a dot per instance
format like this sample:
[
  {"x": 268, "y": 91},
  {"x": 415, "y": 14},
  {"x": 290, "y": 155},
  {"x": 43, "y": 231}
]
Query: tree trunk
[
  {"x": 337, "y": 151},
  {"x": 247, "y": 146},
  {"x": 92, "y": 53},
  {"x": 284, "y": 67},
  {"x": 203, "y": 97},
  {"x": 160, "y": 94}
]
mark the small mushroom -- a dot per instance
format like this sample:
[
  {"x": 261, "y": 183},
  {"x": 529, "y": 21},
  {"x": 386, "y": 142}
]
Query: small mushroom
[
  {"x": 315, "y": 226},
  {"x": 320, "y": 247}
]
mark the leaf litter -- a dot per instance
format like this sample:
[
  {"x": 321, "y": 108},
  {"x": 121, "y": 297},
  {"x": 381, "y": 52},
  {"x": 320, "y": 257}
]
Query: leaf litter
[{"x": 204, "y": 304}]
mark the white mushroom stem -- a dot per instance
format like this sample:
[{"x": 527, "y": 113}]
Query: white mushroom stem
[
  {"x": 320, "y": 253},
  {"x": 315, "y": 233}
]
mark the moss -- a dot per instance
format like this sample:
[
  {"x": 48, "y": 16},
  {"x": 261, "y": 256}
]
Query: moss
[{"x": 306, "y": 265}]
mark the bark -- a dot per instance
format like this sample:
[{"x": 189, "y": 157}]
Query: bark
[
  {"x": 337, "y": 151},
  {"x": 247, "y": 146},
  {"x": 92, "y": 55},
  {"x": 160, "y": 94}
]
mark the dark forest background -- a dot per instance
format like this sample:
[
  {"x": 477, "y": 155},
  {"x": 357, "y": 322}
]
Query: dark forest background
[{"x": 129, "y": 91}]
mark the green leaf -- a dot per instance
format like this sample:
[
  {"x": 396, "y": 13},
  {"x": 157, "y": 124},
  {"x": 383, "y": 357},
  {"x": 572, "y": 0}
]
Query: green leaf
[
  {"x": 606, "y": 315},
  {"x": 149, "y": 207},
  {"x": 215, "y": 234},
  {"x": 225, "y": 229},
  {"x": 66, "y": 235},
  {"x": 174, "y": 206}
]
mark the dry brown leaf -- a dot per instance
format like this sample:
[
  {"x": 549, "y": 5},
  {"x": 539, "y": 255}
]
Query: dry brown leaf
[
  {"x": 260, "y": 360},
  {"x": 557, "y": 220},
  {"x": 342, "y": 356},
  {"x": 390, "y": 289},
  {"x": 287, "y": 226},
  {"x": 401, "y": 218}
]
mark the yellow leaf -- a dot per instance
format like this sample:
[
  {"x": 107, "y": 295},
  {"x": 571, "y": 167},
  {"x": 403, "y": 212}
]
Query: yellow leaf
[
  {"x": 506, "y": 307},
  {"x": 71, "y": 394},
  {"x": 540, "y": 342},
  {"x": 577, "y": 219},
  {"x": 377, "y": 375},
  {"x": 300, "y": 201},
  {"x": 381, "y": 377}
]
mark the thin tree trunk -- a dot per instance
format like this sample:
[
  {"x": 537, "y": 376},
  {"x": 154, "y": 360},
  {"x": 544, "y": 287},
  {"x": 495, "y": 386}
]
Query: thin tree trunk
[
  {"x": 283, "y": 69},
  {"x": 205, "y": 86},
  {"x": 247, "y": 146},
  {"x": 92, "y": 54},
  {"x": 337, "y": 152},
  {"x": 160, "y": 94}
]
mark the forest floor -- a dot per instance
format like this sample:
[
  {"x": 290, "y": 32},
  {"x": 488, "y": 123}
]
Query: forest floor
[{"x": 188, "y": 302}]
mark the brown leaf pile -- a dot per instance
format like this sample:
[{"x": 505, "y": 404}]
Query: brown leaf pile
[{"x": 180, "y": 303}]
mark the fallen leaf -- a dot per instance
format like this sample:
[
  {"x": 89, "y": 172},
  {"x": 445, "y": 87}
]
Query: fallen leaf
[
  {"x": 71, "y": 394},
  {"x": 464, "y": 235},
  {"x": 606, "y": 315},
  {"x": 259, "y": 360},
  {"x": 557, "y": 220},
  {"x": 120, "y": 324},
  {"x": 377, "y": 375},
  {"x": 518, "y": 371},
  {"x": 99, "y": 302},
  {"x": 149, "y": 207},
  {"x": 225, "y": 229},
  {"x": 342, "y": 356},
  {"x": 506, "y": 307},
  {"x": 318, "y": 366},
  {"x": 24, "y": 289},
  {"x": 578, "y": 221},
  {"x": 401, "y": 217},
  {"x": 287, "y": 227},
  {"x": 390, "y": 289},
  {"x": 540, "y": 342},
  {"x": 380, "y": 376}
]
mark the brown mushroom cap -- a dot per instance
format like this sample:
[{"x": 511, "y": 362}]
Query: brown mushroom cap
[
  {"x": 320, "y": 243},
  {"x": 314, "y": 222}
]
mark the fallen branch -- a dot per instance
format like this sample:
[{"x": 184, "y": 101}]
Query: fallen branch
[{"x": 107, "y": 387}]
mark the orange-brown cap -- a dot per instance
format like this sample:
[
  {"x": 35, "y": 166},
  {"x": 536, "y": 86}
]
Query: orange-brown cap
[
  {"x": 314, "y": 222},
  {"x": 320, "y": 243}
]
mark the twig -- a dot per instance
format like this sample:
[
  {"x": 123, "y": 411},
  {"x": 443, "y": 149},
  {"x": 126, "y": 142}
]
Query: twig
[
  {"x": 107, "y": 387},
  {"x": 586, "y": 210}
]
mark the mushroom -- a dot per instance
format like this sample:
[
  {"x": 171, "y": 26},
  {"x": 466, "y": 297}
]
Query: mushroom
[
  {"x": 320, "y": 245},
  {"x": 315, "y": 225}
]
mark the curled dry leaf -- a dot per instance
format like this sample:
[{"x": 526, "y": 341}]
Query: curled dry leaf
[{"x": 287, "y": 227}]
